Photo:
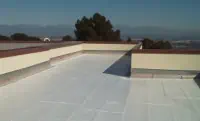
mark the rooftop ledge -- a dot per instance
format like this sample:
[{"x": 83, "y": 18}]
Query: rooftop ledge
[
  {"x": 47, "y": 54},
  {"x": 54, "y": 45},
  {"x": 94, "y": 42},
  {"x": 166, "y": 51},
  {"x": 21, "y": 51},
  {"x": 31, "y": 41},
  {"x": 108, "y": 42}
]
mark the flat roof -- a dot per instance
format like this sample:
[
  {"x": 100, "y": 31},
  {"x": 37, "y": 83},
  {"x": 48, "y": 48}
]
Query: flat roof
[{"x": 95, "y": 87}]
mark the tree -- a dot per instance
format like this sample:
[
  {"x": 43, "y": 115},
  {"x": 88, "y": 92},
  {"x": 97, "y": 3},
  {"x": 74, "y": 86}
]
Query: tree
[
  {"x": 147, "y": 43},
  {"x": 67, "y": 38},
  {"x": 168, "y": 45},
  {"x": 150, "y": 44},
  {"x": 32, "y": 38},
  {"x": 161, "y": 45},
  {"x": 94, "y": 28},
  {"x": 2, "y": 37},
  {"x": 24, "y": 37},
  {"x": 19, "y": 36},
  {"x": 129, "y": 39}
]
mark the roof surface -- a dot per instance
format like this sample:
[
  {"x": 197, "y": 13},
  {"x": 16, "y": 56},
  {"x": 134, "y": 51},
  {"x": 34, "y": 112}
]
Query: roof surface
[{"x": 95, "y": 87}]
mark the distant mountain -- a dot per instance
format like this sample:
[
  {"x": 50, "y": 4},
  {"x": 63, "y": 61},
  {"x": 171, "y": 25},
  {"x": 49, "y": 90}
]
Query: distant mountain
[
  {"x": 126, "y": 31},
  {"x": 159, "y": 33},
  {"x": 37, "y": 30}
]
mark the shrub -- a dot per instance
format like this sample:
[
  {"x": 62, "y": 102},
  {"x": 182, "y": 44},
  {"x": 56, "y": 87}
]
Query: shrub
[
  {"x": 147, "y": 43},
  {"x": 129, "y": 39},
  {"x": 34, "y": 38},
  {"x": 4, "y": 37},
  {"x": 67, "y": 38},
  {"x": 24, "y": 37},
  {"x": 19, "y": 36},
  {"x": 150, "y": 44}
]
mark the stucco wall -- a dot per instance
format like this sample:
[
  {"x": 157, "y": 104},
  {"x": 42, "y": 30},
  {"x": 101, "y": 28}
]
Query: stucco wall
[
  {"x": 14, "y": 63},
  {"x": 166, "y": 61},
  {"x": 1, "y": 66},
  {"x": 9, "y": 46},
  {"x": 64, "y": 50},
  {"x": 113, "y": 47}
]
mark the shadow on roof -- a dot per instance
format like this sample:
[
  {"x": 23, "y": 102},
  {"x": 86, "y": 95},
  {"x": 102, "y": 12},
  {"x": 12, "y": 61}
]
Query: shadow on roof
[
  {"x": 197, "y": 79},
  {"x": 121, "y": 67}
]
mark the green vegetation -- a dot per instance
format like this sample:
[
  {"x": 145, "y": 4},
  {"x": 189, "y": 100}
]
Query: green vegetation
[
  {"x": 150, "y": 44},
  {"x": 32, "y": 38},
  {"x": 19, "y": 36},
  {"x": 67, "y": 38},
  {"x": 96, "y": 28},
  {"x": 4, "y": 37},
  {"x": 129, "y": 39},
  {"x": 24, "y": 37}
]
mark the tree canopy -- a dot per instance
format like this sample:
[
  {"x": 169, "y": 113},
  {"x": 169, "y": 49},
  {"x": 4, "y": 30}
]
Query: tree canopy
[
  {"x": 129, "y": 39},
  {"x": 24, "y": 37},
  {"x": 67, "y": 38},
  {"x": 150, "y": 44},
  {"x": 33, "y": 38},
  {"x": 96, "y": 28},
  {"x": 19, "y": 36},
  {"x": 2, "y": 37}
]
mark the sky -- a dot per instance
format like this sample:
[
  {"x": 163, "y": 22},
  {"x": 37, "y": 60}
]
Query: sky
[{"x": 177, "y": 14}]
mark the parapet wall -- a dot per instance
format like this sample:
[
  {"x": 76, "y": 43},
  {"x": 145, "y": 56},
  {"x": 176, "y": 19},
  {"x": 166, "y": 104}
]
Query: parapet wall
[
  {"x": 179, "y": 62},
  {"x": 99, "y": 46},
  {"x": 17, "y": 60},
  {"x": 55, "y": 52},
  {"x": 14, "y": 62}
]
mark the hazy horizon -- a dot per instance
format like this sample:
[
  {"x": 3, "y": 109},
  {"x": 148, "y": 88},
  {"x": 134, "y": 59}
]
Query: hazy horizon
[{"x": 126, "y": 31}]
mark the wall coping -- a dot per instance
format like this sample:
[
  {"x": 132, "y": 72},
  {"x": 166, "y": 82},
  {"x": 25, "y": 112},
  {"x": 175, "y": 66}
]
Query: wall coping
[
  {"x": 166, "y": 51},
  {"x": 88, "y": 42},
  {"x": 109, "y": 42},
  {"x": 28, "y": 50},
  {"x": 33, "y": 41},
  {"x": 30, "y": 41},
  {"x": 21, "y": 51},
  {"x": 62, "y": 45}
]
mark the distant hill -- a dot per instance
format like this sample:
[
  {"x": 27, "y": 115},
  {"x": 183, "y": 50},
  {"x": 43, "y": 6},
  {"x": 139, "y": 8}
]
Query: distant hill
[
  {"x": 159, "y": 33},
  {"x": 37, "y": 30},
  {"x": 134, "y": 32}
]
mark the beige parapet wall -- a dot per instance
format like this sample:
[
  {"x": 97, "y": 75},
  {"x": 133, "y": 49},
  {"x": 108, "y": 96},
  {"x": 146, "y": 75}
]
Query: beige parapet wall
[
  {"x": 109, "y": 47},
  {"x": 14, "y": 63},
  {"x": 165, "y": 61},
  {"x": 64, "y": 50},
  {"x": 85, "y": 47}
]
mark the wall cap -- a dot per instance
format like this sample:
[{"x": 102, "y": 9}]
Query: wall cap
[{"x": 165, "y": 51}]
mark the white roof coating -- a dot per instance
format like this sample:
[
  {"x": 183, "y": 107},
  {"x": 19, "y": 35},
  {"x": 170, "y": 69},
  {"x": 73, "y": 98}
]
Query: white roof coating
[{"x": 78, "y": 90}]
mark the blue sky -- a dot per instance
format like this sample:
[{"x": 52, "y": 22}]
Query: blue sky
[{"x": 178, "y": 14}]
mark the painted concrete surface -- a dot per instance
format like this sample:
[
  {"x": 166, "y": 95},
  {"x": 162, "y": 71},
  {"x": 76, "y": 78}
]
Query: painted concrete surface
[
  {"x": 14, "y": 45},
  {"x": 79, "y": 89}
]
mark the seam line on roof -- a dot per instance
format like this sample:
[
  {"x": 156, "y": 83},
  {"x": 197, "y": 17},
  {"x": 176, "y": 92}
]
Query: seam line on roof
[{"x": 125, "y": 106}]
